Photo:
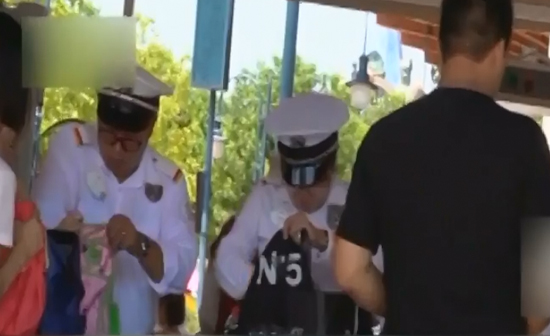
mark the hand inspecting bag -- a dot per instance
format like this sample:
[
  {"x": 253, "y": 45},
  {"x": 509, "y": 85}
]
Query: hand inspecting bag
[{"x": 96, "y": 269}]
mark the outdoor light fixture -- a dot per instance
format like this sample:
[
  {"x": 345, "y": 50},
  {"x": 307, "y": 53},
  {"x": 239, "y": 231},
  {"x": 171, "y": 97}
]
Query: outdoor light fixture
[
  {"x": 322, "y": 85},
  {"x": 218, "y": 145},
  {"x": 362, "y": 89}
]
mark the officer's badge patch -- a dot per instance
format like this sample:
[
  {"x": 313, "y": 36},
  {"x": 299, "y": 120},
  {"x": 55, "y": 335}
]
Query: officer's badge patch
[
  {"x": 96, "y": 184},
  {"x": 153, "y": 192},
  {"x": 334, "y": 212}
]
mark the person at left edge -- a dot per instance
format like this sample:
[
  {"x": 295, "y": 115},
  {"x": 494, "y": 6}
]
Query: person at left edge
[{"x": 106, "y": 172}]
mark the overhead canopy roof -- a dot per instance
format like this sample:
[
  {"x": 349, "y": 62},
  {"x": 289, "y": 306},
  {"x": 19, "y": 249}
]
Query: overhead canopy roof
[
  {"x": 530, "y": 14},
  {"x": 417, "y": 20},
  {"x": 423, "y": 35}
]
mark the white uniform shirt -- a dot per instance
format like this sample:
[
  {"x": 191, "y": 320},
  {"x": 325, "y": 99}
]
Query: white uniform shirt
[
  {"x": 8, "y": 186},
  {"x": 263, "y": 214},
  {"x": 62, "y": 186}
]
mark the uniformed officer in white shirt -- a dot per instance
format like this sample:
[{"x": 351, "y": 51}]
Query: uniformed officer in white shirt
[
  {"x": 309, "y": 196},
  {"x": 106, "y": 172}
]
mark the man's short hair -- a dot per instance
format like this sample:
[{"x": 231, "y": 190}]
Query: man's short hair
[
  {"x": 473, "y": 27},
  {"x": 13, "y": 97}
]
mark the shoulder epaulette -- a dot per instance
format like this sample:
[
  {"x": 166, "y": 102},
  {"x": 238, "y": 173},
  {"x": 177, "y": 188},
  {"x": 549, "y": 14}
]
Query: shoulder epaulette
[
  {"x": 80, "y": 135},
  {"x": 168, "y": 168},
  {"x": 177, "y": 176}
]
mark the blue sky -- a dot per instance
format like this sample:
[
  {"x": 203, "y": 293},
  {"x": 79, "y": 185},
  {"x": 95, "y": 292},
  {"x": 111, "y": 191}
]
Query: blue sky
[{"x": 330, "y": 37}]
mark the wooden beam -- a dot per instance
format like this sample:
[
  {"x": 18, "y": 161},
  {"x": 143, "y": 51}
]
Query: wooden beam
[
  {"x": 403, "y": 23},
  {"x": 432, "y": 57},
  {"x": 429, "y": 13},
  {"x": 534, "y": 2},
  {"x": 541, "y": 37},
  {"x": 425, "y": 43},
  {"x": 533, "y": 40},
  {"x": 431, "y": 31},
  {"x": 430, "y": 46}
]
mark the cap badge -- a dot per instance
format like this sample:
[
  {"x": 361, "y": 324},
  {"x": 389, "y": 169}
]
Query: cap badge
[{"x": 297, "y": 141}]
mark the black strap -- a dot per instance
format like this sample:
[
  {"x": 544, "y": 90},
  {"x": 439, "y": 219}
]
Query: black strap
[{"x": 307, "y": 153}]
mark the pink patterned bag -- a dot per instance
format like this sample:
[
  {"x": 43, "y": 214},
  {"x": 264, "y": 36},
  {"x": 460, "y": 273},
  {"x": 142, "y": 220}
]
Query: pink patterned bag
[{"x": 96, "y": 265}]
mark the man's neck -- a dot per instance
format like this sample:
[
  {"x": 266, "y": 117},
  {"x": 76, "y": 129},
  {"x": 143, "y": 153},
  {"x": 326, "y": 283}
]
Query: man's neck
[
  {"x": 465, "y": 74},
  {"x": 464, "y": 83}
]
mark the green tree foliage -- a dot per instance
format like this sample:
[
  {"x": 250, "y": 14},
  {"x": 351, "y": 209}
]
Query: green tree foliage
[{"x": 181, "y": 128}]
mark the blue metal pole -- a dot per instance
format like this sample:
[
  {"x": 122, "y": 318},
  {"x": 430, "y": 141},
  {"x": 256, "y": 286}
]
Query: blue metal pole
[
  {"x": 256, "y": 174},
  {"x": 263, "y": 138},
  {"x": 38, "y": 116},
  {"x": 207, "y": 176},
  {"x": 289, "y": 51}
]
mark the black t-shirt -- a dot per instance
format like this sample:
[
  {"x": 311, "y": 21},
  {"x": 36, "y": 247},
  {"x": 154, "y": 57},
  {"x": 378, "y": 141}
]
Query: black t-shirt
[{"x": 442, "y": 185}]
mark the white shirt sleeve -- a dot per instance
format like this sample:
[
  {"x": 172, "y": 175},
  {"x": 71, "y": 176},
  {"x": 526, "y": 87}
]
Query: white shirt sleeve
[
  {"x": 55, "y": 189},
  {"x": 8, "y": 187},
  {"x": 177, "y": 241},
  {"x": 233, "y": 263}
]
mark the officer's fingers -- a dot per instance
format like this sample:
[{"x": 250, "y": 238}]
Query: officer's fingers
[
  {"x": 114, "y": 241},
  {"x": 73, "y": 220},
  {"x": 296, "y": 231},
  {"x": 118, "y": 232},
  {"x": 287, "y": 228},
  {"x": 113, "y": 227},
  {"x": 111, "y": 231},
  {"x": 310, "y": 231},
  {"x": 296, "y": 238},
  {"x": 126, "y": 242},
  {"x": 67, "y": 223},
  {"x": 76, "y": 215}
]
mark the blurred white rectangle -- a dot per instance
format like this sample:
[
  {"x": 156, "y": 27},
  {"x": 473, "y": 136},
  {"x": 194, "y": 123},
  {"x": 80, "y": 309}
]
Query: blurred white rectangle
[
  {"x": 79, "y": 52},
  {"x": 535, "y": 268}
]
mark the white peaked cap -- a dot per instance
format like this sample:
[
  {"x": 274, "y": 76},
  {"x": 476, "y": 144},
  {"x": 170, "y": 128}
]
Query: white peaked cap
[
  {"x": 23, "y": 9},
  {"x": 312, "y": 117},
  {"x": 146, "y": 85}
]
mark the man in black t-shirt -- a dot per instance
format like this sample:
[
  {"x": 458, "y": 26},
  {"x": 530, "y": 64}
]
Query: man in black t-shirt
[{"x": 443, "y": 185}]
